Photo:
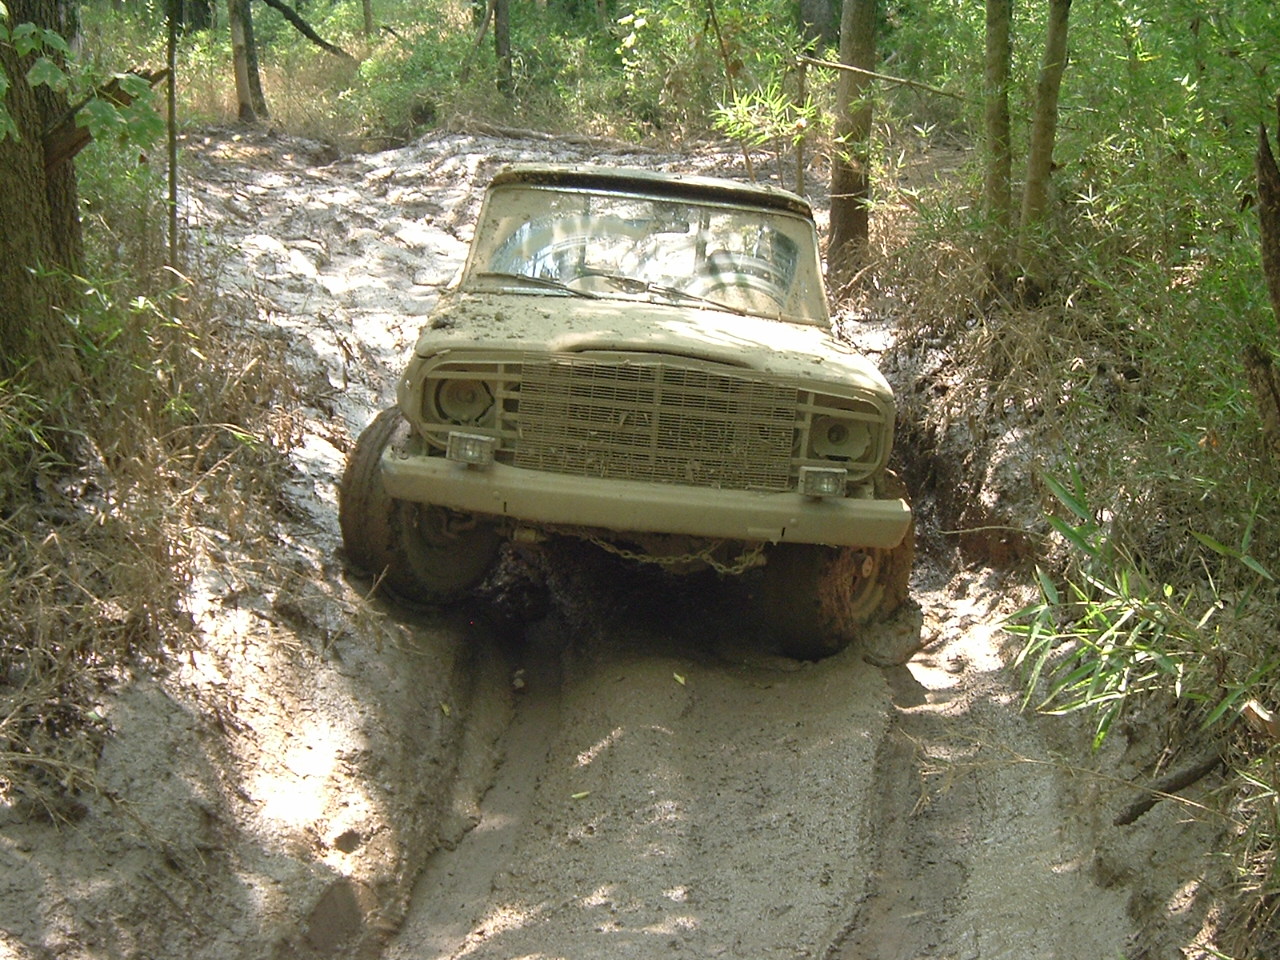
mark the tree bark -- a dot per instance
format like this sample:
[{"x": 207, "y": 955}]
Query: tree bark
[
  {"x": 64, "y": 137},
  {"x": 38, "y": 206},
  {"x": 1259, "y": 368},
  {"x": 502, "y": 46},
  {"x": 850, "y": 169},
  {"x": 1044, "y": 124},
  {"x": 240, "y": 61},
  {"x": 251, "y": 59},
  {"x": 996, "y": 190},
  {"x": 1269, "y": 213},
  {"x": 817, "y": 24},
  {"x": 309, "y": 32}
]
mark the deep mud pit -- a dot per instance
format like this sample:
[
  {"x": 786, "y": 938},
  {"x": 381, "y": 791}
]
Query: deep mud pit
[{"x": 630, "y": 776}]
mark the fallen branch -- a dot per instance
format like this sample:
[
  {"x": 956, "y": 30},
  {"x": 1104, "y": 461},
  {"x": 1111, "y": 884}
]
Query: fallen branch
[
  {"x": 305, "y": 29},
  {"x": 64, "y": 138},
  {"x": 914, "y": 84},
  {"x": 1168, "y": 785}
]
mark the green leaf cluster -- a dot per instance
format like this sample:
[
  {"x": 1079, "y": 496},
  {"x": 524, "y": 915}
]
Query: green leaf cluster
[
  {"x": 55, "y": 66},
  {"x": 1112, "y": 633}
]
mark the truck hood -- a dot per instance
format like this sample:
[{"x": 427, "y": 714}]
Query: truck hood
[{"x": 520, "y": 323}]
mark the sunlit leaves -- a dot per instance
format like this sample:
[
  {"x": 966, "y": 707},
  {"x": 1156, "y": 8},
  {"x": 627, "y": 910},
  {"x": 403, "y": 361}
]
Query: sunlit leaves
[{"x": 46, "y": 72}]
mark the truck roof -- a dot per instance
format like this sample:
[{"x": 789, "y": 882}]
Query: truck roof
[{"x": 676, "y": 186}]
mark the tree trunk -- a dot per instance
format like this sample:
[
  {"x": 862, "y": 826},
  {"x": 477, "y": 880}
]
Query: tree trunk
[
  {"x": 502, "y": 45},
  {"x": 996, "y": 190},
  {"x": 251, "y": 61},
  {"x": 850, "y": 169},
  {"x": 368, "y": 18},
  {"x": 1259, "y": 368},
  {"x": 252, "y": 105},
  {"x": 1044, "y": 124},
  {"x": 817, "y": 24},
  {"x": 1269, "y": 213},
  {"x": 38, "y": 206},
  {"x": 195, "y": 15},
  {"x": 240, "y": 61}
]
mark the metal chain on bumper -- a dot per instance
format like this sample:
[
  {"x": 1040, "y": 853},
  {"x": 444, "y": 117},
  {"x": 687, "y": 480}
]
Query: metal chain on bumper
[{"x": 752, "y": 557}]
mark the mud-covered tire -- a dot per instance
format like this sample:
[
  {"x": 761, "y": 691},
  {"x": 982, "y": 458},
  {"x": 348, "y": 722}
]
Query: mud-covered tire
[
  {"x": 416, "y": 552},
  {"x": 813, "y": 600}
]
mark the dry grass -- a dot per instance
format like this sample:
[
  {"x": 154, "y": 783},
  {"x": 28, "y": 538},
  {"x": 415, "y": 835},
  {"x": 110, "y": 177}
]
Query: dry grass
[
  {"x": 1124, "y": 382},
  {"x": 168, "y": 424}
]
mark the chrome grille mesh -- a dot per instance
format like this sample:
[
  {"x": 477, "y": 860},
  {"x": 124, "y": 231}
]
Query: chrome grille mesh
[{"x": 655, "y": 421}]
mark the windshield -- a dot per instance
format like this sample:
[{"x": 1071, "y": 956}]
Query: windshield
[{"x": 636, "y": 246}]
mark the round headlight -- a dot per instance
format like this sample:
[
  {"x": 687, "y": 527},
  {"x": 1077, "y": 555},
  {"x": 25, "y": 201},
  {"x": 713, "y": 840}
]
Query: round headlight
[
  {"x": 840, "y": 439},
  {"x": 463, "y": 401}
]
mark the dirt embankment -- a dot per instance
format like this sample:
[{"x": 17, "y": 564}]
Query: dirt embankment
[{"x": 326, "y": 776}]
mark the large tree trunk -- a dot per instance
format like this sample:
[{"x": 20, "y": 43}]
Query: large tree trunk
[
  {"x": 38, "y": 206},
  {"x": 1044, "y": 124},
  {"x": 850, "y": 169},
  {"x": 997, "y": 193}
]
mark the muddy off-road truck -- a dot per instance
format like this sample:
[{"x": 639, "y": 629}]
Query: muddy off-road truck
[{"x": 644, "y": 361}]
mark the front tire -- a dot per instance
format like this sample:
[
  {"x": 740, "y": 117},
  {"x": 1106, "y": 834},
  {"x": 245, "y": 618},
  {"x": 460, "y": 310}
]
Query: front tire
[
  {"x": 416, "y": 551},
  {"x": 815, "y": 600}
]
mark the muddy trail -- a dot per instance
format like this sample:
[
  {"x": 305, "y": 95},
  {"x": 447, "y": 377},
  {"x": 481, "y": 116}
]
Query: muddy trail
[{"x": 629, "y": 774}]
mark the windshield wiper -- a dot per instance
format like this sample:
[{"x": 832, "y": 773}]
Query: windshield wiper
[
  {"x": 546, "y": 283},
  {"x": 635, "y": 285}
]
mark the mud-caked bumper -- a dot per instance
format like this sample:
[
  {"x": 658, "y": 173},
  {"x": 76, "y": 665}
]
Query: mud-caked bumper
[{"x": 624, "y": 505}]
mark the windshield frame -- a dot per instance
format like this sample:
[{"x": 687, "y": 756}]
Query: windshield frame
[{"x": 527, "y": 221}]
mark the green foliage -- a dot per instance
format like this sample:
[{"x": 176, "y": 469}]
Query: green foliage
[
  {"x": 56, "y": 67},
  {"x": 109, "y": 466},
  {"x": 1118, "y": 634},
  {"x": 27, "y": 39},
  {"x": 674, "y": 68}
]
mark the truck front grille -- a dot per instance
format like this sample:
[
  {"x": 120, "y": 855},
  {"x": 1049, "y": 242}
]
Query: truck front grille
[{"x": 657, "y": 421}]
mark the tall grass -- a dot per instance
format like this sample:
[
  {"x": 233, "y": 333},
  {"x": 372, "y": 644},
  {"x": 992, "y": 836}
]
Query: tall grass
[{"x": 161, "y": 423}]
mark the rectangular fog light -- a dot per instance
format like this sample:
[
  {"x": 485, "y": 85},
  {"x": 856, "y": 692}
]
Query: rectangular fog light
[
  {"x": 471, "y": 448},
  {"x": 823, "y": 481}
]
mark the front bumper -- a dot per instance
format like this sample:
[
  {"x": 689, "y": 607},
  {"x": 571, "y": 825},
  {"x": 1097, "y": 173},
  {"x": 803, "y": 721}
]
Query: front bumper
[{"x": 624, "y": 505}]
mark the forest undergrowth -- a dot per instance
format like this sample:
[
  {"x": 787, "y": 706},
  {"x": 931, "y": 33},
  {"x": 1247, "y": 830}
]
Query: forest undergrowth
[
  {"x": 1150, "y": 495},
  {"x": 119, "y": 453}
]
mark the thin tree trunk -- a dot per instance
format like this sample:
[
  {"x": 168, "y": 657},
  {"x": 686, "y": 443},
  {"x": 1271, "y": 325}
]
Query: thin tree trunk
[
  {"x": 1269, "y": 213},
  {"x": 240, "y": 61},
  {"x": 368, "y": 18},
  {"x": 171, "y": 127},
  {"x": 850, "y": 170},
  {"x": 996, "y": 190},
  {"x": 482, "y": 28},
  {"x": 502, "y": 45},
  {"x": 1044, "y": 125},
  {"x": 251, "y": 59},
  {"x": 1259, "y": 368}
]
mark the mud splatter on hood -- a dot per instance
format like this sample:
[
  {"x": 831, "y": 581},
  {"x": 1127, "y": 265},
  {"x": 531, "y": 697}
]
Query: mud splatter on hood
[{"x": 571, "y": 325}]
